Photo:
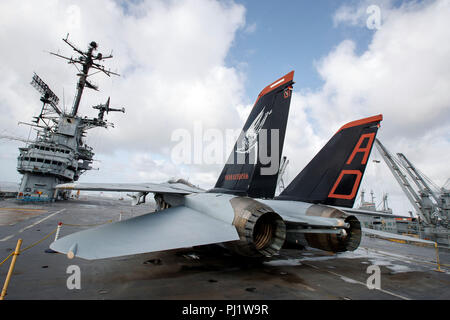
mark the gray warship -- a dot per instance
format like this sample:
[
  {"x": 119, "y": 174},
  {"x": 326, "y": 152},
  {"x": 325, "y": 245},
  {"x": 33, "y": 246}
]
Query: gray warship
[{"x": 59, "y": 153}]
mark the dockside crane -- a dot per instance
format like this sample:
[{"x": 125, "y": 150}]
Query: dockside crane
[{"x": 431, "y": 205}]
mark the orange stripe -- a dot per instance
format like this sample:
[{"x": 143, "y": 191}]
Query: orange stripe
[
  {"x": 288, "y": 77},
  {"x": 376, "y": 118}
]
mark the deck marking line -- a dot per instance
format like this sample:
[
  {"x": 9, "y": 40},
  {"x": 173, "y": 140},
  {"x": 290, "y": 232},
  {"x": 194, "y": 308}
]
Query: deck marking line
[
  {"x": 402, "y": 258},
  {"x": 32, "y": 225},
  {"x": 363, "y": 284},
  {"x": 7, "y": 238}
]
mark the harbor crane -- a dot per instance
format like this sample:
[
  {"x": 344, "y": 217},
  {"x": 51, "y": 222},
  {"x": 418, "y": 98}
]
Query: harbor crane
[{"x": 432, "y": 204}]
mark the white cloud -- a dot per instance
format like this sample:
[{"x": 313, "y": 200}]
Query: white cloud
[
  {"x": 251, "y": 28},
  {"x": 170, "y": 55},
  {"x": 357, "y": 15},
  {"x": 404, "y": 74}
]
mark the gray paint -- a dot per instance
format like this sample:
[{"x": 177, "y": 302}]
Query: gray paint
[
  {"x": 177, "y": 188},
  {"x": 168, "y": 229}
]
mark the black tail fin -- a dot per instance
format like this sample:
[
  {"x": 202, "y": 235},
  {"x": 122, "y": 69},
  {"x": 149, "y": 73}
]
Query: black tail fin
[
  {"x": 334, "y": 175},
  {"x": 253, "y": 165}
]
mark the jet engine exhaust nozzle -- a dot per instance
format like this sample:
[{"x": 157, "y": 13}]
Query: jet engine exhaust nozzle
[
  {"x": 262, "y": 232},
  {"x": 347, "y": 241}
]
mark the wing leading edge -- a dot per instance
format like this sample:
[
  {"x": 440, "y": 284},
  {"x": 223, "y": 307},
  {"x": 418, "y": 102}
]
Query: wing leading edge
[
  {"x": 171, "y": 188},
  {"x": 173, "y": 228}
]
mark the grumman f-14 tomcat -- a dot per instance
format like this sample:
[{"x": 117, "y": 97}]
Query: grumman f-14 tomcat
[{"x": 241, "y": 212}]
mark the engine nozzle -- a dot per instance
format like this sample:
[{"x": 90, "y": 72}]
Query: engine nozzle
[
  {"x": 348, "y": 240},
  {"x": 262, "y": 231}
]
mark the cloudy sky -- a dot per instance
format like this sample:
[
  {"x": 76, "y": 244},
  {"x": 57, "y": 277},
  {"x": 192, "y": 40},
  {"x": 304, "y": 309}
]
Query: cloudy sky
[{"x": 201, "y": 63}]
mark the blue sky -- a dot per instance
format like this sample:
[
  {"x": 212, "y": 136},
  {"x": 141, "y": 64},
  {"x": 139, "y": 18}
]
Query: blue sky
[{"x": 290, "y": 36}]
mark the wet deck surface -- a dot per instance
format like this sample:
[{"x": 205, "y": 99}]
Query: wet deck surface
[
  {"x": 207, "y": 272},
  {"x": 11, "y": 216}
]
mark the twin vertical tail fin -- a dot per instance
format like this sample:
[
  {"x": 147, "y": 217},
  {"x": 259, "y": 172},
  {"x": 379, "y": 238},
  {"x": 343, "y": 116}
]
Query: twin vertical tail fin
[
  {"x": 253, "y": 165},
  {"x": 334, "y": 175}
]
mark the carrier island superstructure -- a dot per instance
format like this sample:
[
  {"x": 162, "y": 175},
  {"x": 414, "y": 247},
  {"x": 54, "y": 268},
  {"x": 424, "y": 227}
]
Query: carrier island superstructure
[{"x": 59, "y": 153}]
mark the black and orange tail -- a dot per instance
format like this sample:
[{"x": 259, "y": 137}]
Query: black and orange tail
[
  {"x": 334, "y": 175},
  {"x": 248, "y": 170}
]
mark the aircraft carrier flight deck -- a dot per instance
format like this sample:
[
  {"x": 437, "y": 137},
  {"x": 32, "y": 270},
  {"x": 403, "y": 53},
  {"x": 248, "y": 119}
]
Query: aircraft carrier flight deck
[{"x": 206, "y": 272}]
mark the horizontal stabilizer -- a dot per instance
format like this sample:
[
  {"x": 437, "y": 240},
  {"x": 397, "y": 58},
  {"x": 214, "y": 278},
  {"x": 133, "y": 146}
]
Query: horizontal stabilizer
[
  {"x": 388, "y": 235},
  {"x": 173, "y": 228},
  {"x": 295, "y": 212}
]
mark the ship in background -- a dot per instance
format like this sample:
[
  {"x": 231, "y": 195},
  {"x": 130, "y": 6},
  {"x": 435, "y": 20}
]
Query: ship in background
[
  {"x": 59, "y": 153},
  {"x": 370, "y": 205},
  {"x": 384, "y": 219}
]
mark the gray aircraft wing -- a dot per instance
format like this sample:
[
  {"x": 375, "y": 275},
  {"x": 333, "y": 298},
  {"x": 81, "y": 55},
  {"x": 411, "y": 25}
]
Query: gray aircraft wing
[
  {"x": 174, "y": 188},
  {"x": 173, "y": 228}
]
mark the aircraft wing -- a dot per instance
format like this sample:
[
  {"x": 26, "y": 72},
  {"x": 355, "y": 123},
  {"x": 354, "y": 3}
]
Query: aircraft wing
[
  {"x": 173, "y": 228},
  {"x": 174, "y": 188}
]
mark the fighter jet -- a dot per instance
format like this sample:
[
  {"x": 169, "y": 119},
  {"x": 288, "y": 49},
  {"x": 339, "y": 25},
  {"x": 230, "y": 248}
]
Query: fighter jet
[{"x": 241, "y": 212}]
